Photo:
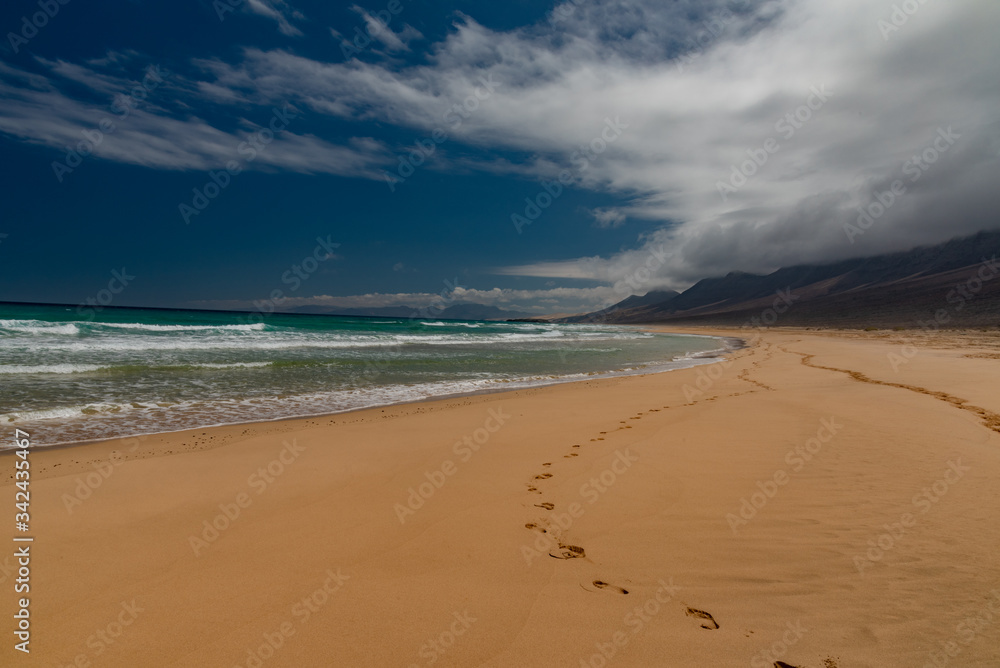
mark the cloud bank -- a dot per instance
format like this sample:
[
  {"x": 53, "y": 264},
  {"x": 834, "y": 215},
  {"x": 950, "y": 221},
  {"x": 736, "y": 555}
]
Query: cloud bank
[{"x": 756, "y": 133}]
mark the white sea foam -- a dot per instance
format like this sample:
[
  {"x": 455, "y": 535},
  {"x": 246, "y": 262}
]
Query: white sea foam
[
  {"x": 280, "y": 341},
  {"x": 35, "y": 327},
  {"x": 255, "y": 327},
  {"x": 471, "y": 325},
  {"x": 110, "y": 420},
  {"x": 165, "y": 377},
  {"x": 234, "y": 365},
  {"x": 18, "y": 369}
]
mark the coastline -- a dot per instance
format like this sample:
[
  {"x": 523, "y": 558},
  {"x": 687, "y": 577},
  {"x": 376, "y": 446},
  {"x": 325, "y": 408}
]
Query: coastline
[
  {"x": 729, "y": 344},
  {"x": 672, "y": 454}
]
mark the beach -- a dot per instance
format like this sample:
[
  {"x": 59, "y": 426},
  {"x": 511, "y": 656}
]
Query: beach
[{"x": 816, "y": 498}]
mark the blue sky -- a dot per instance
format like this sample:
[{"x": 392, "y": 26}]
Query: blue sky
[{"x": 660, "y": 142}]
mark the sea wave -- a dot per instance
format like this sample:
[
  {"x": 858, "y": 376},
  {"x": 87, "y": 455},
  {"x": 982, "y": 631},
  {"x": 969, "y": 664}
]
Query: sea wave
[
  {"x": 255, "y": 327},
  {"x": 19, "y": 369},
  {"x": 291, "y": 341},
  {"x": 32, "y": 369},
  {"x": 35, "y": 327},
  {"x": 471, "y": 325},
  {"x": 119, "y": 420}
]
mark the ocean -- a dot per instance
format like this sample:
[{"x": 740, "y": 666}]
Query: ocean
[{"x": 127, "y": 372}]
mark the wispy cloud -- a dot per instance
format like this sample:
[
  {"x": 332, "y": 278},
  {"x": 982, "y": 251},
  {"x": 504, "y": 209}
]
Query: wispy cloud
[
  {"x": 382, "y": 32},
  {"x": 608, "y": 218},
  {"x": 37, "y": 109},
  {"x": 280, "y": 12}
]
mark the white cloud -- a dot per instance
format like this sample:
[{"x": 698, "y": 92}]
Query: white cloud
[
  {"x": 698, "y": 83},
  {"x": 37, "y": 109},
  {"x": 556, "y": 300},
  {"x": 381, "y": 32},
  {"x": 608, "y": 218},
  {"x": 689, "y": 121},
  {"x": 280, "y": 12}
]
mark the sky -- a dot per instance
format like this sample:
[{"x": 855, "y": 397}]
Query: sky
[{"x": 540, "y": 157}]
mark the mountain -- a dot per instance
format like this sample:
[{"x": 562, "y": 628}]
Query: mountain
[
  {"x": 950, "y": 285},
  {"x": 649, "y": 299},
  {"x": 453, "y": 312},
  {"x": 634, "y": 302}
]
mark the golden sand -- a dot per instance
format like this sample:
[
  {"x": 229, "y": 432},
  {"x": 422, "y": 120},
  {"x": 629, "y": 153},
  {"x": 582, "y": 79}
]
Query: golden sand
[{"x": 819, "y": 500}]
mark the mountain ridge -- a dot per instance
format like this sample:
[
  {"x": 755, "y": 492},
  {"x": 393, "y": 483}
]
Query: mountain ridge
[{"x": 901, "y": 289}]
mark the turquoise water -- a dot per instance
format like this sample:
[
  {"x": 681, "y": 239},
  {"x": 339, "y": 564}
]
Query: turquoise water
[{"x": 127, "y": 372}]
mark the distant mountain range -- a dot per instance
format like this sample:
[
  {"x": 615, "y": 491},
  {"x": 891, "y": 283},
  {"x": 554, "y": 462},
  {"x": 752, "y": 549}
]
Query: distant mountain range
[
  {"x": 453, "y": 312},
  {"x": 954, "y": 284}
]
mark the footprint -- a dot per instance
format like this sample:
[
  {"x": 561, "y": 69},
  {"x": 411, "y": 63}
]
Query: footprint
[
  {"x": 576, "y": 446},
  {"x": 568, "y": 552},
  {"x": 546, "y": 505},
  {"x": 572, "y": 454},
  {"x": 707, "y": 621},
  {"x": 542, "y": 476},
  {"x": 600, "y": 584},
  {"x": 534, "y": 527},
  {"x": 782, "y": 664},
  {"x": 547, "y": 464}
]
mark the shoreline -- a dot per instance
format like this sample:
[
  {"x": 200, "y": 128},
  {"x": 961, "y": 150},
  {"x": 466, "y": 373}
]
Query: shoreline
[
  {"x": 733, "y": 499},
  {"x": 729, "y": 345}
]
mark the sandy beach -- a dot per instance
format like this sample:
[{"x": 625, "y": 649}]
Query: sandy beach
[{"x": 816, "y": 500}]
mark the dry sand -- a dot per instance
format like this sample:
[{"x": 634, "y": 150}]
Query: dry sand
[{"x": 868, "y": 535}]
